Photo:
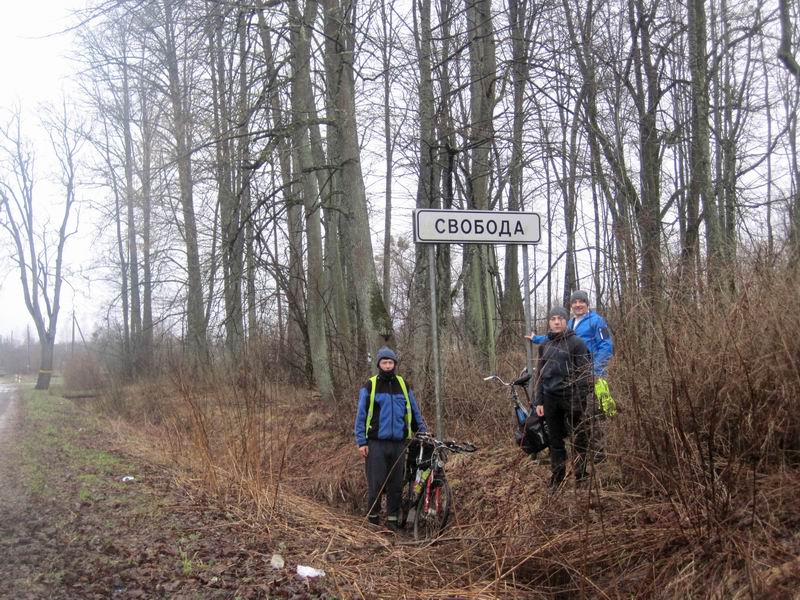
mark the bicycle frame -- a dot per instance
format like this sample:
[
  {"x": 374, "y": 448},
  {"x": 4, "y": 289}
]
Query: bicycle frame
[
  {"x": 438, "y": 458},
  {"x": 432, "y": 503}
]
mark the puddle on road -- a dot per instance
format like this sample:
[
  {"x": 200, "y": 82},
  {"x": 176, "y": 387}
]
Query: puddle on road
[{"x": 6, "y": 396}]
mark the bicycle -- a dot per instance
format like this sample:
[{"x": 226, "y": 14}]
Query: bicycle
[{"x": 426, "y": 492}]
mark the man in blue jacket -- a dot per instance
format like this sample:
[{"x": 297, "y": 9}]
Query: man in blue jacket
[{"x": 386, "y": 419}]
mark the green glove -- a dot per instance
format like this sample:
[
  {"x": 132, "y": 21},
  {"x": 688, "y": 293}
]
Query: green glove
[{"x": 607, "y": 404}]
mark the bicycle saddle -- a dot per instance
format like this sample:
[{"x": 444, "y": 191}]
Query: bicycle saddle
[{"x": 523, "y": 379}]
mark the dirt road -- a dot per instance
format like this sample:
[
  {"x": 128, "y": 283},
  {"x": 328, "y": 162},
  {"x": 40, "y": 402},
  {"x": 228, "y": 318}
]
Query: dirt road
[{"x": 70, "y": 527}]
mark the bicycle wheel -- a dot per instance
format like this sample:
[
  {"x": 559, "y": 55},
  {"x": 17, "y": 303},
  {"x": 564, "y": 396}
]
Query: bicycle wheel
[
  {"x": 430, "y": 523},
  {"x": 407, "y": 503}
]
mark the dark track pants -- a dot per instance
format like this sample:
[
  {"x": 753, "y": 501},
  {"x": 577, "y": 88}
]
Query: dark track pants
[
  {"x": 563, "y": 420},
  {"x": 385, "y": 465}
]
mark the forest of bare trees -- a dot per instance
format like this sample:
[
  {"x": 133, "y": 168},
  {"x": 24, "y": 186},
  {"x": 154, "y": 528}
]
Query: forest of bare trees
[
  {"x": 247, "y": 171},
  {"x": 258, "y": 163}
]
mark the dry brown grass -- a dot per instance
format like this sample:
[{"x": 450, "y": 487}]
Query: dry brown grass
[{"x": 698, "y": 498}]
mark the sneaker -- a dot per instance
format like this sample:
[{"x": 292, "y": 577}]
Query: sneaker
[
  {"x": 599, "y": 456},
  {"x": 392, "y": 524},
  {"x": 373, "y": 519}
]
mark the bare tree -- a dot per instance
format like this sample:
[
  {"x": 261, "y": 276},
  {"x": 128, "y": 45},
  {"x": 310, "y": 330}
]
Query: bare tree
[
  {"x": 373, "y": 323},
  {"x": 786, "y": 55},
  {"x": 479, "y": 295},
  {"x": 195, "y": 318},
  {"x": 302, "y": 100},
  {"x": 39, "y": 250}
]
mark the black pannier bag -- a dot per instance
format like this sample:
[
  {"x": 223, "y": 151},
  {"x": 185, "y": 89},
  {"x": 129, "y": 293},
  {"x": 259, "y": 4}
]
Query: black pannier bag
[{"x": 532, "y": 435}]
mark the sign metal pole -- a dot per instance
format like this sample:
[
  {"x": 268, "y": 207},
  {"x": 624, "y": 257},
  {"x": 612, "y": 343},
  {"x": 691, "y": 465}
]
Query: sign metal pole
[
  {"x": 437, "y": 382},
  {"x": 435, "y": 226},
  {"x": 526, "y": 286}
]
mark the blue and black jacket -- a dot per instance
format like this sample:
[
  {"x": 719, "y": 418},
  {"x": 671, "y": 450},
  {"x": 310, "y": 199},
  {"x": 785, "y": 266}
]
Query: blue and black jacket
[
  {"x": 594, "y": 332},
  {"x": 393, "y": 418},
  {"x": 563, "y": 370}
]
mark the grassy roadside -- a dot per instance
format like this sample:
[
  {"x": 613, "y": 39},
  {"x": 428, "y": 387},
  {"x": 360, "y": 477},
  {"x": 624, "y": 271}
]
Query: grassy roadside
[
  {"x": 71, "y": 527},
  {"x": 56, "y": 449}
]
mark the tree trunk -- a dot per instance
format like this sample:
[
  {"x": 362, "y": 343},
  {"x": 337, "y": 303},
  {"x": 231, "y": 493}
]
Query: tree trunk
[
  {"x": 512, "y": 312},
  {"x": 197, "y": 346},
  {"x": 148, "y": 128},
  {"x": 700, "y": 189},
  {"x": 646, "y": 98},
  {"x": 419, "y": 326},
  {"x": 229, "y": 202},
  {"x": 130, "y": 200},
  {"x": 244, "y": 187},
  {"x": 302, "y": 99},
  {"x": 47, "y": 347},
  {"x": 374, "y": 325},
  {"x": 338, "y": 260},
  {"x": 479, "y": 294},
  {"x": 121, "y": 253},
  {"x": 297, "y": 343}
]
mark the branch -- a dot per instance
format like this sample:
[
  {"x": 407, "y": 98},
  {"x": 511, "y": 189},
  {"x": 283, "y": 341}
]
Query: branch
[{"x": 785, "y": 49}]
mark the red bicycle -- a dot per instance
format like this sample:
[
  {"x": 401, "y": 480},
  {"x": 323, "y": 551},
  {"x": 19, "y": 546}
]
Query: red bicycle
[{"x": 427, "y": 499}]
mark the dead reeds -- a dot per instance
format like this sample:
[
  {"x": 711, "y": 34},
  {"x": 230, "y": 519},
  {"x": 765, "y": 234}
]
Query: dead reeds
[{"x": 697, "y": 499}]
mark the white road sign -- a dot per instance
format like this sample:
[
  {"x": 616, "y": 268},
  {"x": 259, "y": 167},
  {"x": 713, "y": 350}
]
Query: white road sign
[{"x": 476, "y": 227}]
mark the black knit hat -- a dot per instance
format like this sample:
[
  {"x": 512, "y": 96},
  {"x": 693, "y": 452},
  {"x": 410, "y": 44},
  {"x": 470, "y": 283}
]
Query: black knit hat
[{"x": 557, "y": 311}]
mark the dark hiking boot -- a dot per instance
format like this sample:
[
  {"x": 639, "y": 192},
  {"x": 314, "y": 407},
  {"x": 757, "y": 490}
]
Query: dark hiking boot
[
  {"x": 556, "y": 479},
  {"x": 558, "y": 468},
  {"x": 373, "y": 519},
  {"x": 392, "y": 524}
]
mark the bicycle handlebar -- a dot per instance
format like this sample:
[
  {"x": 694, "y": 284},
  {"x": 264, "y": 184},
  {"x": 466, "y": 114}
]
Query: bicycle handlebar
[
  {"x": 428, "y": 440},
  {"x": 496, "y": 378},
  {"x": 520, "y": 381}
]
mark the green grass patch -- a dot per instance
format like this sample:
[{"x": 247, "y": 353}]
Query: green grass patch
[
  {"x": 54, "y": 446},
  {"x": 89, "y": 479},
  {"x": 34, "y": 478},
  {"x": 99, "y": 460}
]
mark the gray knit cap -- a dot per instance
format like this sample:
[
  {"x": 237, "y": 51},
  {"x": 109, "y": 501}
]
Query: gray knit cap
[
  {"x": 557, "y": 311},
  {"x": 579, "y": 295}
]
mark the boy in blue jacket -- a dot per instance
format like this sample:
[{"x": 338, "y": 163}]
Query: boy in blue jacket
[{"x": 386, "y": 419}]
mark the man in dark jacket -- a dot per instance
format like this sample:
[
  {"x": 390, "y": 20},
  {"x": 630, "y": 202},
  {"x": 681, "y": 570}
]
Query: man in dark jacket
[
  {"x": 563, "y": 386},
  {"x": 387, "y": 417}
]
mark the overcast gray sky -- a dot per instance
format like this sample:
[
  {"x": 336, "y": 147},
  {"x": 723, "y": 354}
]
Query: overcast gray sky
[{"x": 34, "y": 69}]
